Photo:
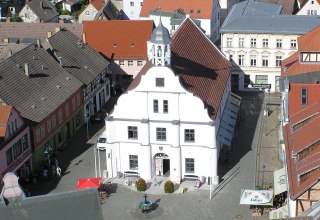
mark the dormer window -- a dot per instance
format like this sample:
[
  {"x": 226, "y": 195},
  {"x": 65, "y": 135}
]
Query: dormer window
[
  {"x": 199, "y": 11},
  {"x": 191, "y": 11},
  {"x": 159, "y": 82},
  {"x": 304, "y": 96}
]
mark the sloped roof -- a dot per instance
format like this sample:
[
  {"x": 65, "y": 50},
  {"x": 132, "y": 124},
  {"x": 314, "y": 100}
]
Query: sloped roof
[
  {"x": 37, "y": 95},
  {"x": 79, "y": 59},
  {"x": 160, "y": 35},
  {"x": 98, "y": 4},
  {"x": 202, "y": 9},
  {"x": 34, "y": 31},
  {"x": 201, "y": 67},
  {"x": 310, "y": 41},
  {"x": 110, "y": 12},
  {"x": 119, "y": 39},
  {"x": 81, "y": 205},
  {"x": 264, "y": 18},
  {"x": 5, "y": 111},
  {"x": 298, "y": 140},
  {"x": 288, "y": 5},
  {"x": 46, "y": 13}
]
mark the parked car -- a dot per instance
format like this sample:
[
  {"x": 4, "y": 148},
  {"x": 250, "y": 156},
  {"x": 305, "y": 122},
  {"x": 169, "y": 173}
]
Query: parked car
[{"x": 102, "y": 142}]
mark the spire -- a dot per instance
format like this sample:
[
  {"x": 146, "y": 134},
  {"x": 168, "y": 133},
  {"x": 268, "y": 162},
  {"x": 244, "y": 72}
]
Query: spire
[{"x": 159, "y": 46}]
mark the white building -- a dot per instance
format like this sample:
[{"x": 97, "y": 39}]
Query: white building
[
  {"x": 168, "y": 121},
  {"x": 207, "y": 12},
  {"x": 257, "y": 38},
  {"x": 39, "y": 11},
  {"x": 309, "y": 7},
  {"x": 132, "y": 8}
]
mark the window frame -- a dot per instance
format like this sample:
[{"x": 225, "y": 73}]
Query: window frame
[
  {"x": 161, "y": 134},
  {"x": 189, "y": 165},
  {"x": 155, "y": 106},
  {"x": 253, "y": 60},
  {"x": 265, "y": 60},
  {"x": 279, "y": 43},
  {"x": 265, "y": 43},
  {"x": 133, "y": 162},
  {"x": 229, "y": 42},
  {"x": 159, "y": 82},
  {"x": 241, "y": 59},
  {"x": 253, "y": 42},
  {"x": 133, "y": 132},
  {"x": 130, "y": 62},
  {"x": 241, "y": 42},
  {"x": 189, "y": 135},
  {"x": 304, "y": 97},
  {"x": 293, "y": 43},
  {"x": 165, "y": 106},
  {"x": 278, "y": 61}
]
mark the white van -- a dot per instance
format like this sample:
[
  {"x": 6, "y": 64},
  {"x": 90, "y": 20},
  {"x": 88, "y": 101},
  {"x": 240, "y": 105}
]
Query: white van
[{"x": 102, "y": 141}]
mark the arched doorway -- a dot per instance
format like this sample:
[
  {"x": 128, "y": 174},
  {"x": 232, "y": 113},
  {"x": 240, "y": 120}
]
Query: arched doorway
[{"x": 162, "y": 164}]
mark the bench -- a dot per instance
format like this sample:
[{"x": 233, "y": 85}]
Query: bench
[
  {"x": 131, "y": 174},
  {"x": 190, "y": 177}
]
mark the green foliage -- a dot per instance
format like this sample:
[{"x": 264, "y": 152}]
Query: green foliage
[
  {"x": 141, "y": 185},
  {"x": 16, "y": 18},
  {"x": 169, "y": 187},
  {"x": 64, "y": 12}
]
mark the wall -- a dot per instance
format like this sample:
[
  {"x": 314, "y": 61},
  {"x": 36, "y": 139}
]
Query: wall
[
  {"x": 133, "y": 12},
  {"x": 92, "y": 13},
  {"x": 28, "y": 16},
  {"x": 310, "y": 9},
  {"x": 134, "y": 69}
]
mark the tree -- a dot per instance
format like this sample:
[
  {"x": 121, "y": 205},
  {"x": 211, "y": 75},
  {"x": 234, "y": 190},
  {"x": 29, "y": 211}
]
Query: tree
[{"x": 16, "y": 18}]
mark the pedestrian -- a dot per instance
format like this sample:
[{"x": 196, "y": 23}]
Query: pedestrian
[{"x": 58, "y": 172}]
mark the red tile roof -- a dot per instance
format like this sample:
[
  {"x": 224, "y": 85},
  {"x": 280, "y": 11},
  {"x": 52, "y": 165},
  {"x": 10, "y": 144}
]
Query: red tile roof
[
  {"x": 98, "y": 4},
  {"x": 205, "y": 7},
  {"x": 5, "y": 111},
  {"x": 119, "y": 39},
  {"x": 310, "y": 41},
  {"x": 313, "y": 96},
  {"x": 297, "y": 140},
  {"x": 201, "y": 67}
]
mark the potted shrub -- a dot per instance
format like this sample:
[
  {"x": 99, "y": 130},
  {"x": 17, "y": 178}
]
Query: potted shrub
[
  {"x": 169, "y": 187},
  {"x": 141, "y": 185}
]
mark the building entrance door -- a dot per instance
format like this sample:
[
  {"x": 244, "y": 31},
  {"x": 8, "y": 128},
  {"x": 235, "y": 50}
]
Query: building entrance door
[{"x": 162, "y": 164}]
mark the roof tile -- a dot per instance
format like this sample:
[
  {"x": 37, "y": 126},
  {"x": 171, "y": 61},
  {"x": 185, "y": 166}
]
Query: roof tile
[{"x": 5, "y": 111}]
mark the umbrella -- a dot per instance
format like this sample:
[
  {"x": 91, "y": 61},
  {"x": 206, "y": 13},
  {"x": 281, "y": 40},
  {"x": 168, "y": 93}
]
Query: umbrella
[
  {"x": 89, "y": 183},
  {"x": 256, "y": 197}
]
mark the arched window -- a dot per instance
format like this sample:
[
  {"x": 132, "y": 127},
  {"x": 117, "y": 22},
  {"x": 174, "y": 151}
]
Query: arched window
[{"x": 159, "y": 51}]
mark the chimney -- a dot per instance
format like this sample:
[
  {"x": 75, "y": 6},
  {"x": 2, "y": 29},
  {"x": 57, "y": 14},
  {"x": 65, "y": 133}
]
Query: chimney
[
  {"x": 49, "y": 34},
  {"x": 26, "y": 69},
  {"x": 41, "y": 4},
  {"x": 57, "y": 29},
  {"x": 38, "y": 43},
  {"x": 9, "y": 53},
  {"x": 84, "y": 38}
]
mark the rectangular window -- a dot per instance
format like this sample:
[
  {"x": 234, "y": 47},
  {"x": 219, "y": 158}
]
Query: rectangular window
[
  {"x": 155, "y": 106},
  {"x": 278, "y": 61},
  {"x": 265, "y": 43},
  {"x": 304, "y": 96},
  {"x": 165, "y": 106},
  {"x": 161, "y": 134},
  {"x": 241, "y": 60},
  {"x": 261, "y": 79},
  {"x": 133, "y": 162},
  {"x": 265, "y": 61},
  {"x": 139, "y": 63},
  {"x": 132, "y": 132},
  {"x": 60, "y": 116},
  {"x": 87, "y": 12},
  {"x": 279, "y": 43},
  {"x": 54, "y": 122},
  {"x": 131, "y": 4},
  {"x": 121, "y": 62},
  {"x": 293, "y": 44},
  {"x": 189, "y": 165},
  {"x": 66, "y": 108},
  {"x": 9, "y": 156},
  {"x": 49, "y": 125},
  {"x": 253, "y": 42},
  {"x": 229, "y": 42},
  {"x": 25, "y": 142},
  {"x": 130, "y": 63},
  {"x": 159, "y": 82},
  {"x": 189, "y": 135},
  {"x": 253, "y": 60},
  {"x": 241, "y": 42}
]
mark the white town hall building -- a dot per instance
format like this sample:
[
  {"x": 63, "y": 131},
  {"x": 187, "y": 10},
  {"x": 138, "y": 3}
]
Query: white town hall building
[{"x": 169, "y": 120}]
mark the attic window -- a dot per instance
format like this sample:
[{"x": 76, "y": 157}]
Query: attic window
[
  {"x": 114, "y": 45},
  {"x": 191, "y": 10},
  {"x": 199, "y": 11},
  {"x": 132, "y": 44}
]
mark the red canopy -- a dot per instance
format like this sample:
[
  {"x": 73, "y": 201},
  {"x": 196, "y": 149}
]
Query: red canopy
[{"x": 89, "y": 183}]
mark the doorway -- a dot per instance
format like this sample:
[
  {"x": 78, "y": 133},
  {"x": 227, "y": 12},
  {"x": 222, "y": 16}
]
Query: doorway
[{"x": 162, "y": 164}]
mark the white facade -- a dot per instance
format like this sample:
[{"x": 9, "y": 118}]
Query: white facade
[
  {"x": 29, "y": 16},
  {"x": 132, "y": 8},
  {"x": 258, "y": 56},
  {"x": 311, "y": 7},
  {"x": 185, "y": 111},
  {"x": 131, "y": 66},
  {"x": 88, "y": 14}
]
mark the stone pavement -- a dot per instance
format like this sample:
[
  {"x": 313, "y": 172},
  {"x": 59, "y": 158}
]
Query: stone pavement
[{"x": 77, "y": 161}]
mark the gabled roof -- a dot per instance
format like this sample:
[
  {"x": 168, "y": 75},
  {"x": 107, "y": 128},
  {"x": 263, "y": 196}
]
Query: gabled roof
[
  {"x": 201, "y": 67},
  {"x": 35, "y": 31},
  {"x": 98, "y": 4},
  {"x": 37, "y": 95},
  {"x": 45, "y": 13},
  {"x": 264, "y": 18},
  {"x": 119, "y": 39},
  {"x": 78, "y": 58},
  {"x": 310, "y": 42},
  {"x": 201, "y": 9},
  {"x": 5, "y": 111},
  {"x": 296, "y": 141},
  {"x": 110, "y": 12},
  {"x": 81, "y": 205}
]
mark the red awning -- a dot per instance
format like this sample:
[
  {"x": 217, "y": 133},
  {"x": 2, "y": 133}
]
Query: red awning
[{"x": 89, "y": 183}]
